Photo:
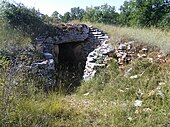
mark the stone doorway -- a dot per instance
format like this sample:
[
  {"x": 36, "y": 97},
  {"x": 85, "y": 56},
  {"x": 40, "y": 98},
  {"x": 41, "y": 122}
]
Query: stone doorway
[{"x": 70, "y": 66}]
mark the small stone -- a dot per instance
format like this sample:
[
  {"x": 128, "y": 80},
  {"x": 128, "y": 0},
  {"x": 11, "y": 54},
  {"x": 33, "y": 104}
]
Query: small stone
[
  {"x": 150, "y": 59},
  {"x": 129, "y": 47},
  {"x": 147, "y": 110},
  {"x": 103, "y": 37},
  {"x": 86, "y": 94},
  {"x": 91, "y": 59},
  {"x": 124, "y": 55},
  {"x": 129, "y": 118},
  {"x": 151, "y": 93},
  {"x": 42, "y": 63},
  {"x": 127, "y": 72},
  {"x": 144, "y": 49},
  {"x": 118, "y": 55},
  {"x": 134, "y": 77},
  {"x": 96, "y": 33},
  {"x": 48, "y": 55},
  {"x": 162, "y": 83},
  {"x": 92, "y": 54},
  {"x": 122, "y": 91},
  {"x": 160, "y": 56},
  {"x": 122, "y": 47},
  {"x": 138, "y": 55},
  {"x": 144, "y": 55},
  {"x": 159, "y": 92},
  {"x": 138, "y": 103}
]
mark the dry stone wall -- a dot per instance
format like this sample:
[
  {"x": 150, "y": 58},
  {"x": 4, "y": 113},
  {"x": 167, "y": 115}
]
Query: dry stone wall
[
  {"x": 48, "y": 45},
  {"x": 99, "y": 54},
  {"x": 91, "y": 42}
]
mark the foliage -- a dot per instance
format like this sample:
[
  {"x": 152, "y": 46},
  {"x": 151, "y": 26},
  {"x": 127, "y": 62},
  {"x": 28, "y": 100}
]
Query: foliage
[
  {"x": 165, "y": 22},
  {"x": 144, "y": 13},
  {"x": 66, "y": 17},
  {"x": 18, "y": 17},
  {"x": 77, "y": 13},
  {"x": 101, "y": 14}
]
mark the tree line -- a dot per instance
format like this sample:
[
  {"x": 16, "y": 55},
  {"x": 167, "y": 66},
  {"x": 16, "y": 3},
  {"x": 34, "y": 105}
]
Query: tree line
[{"x": 140, "y": 13}]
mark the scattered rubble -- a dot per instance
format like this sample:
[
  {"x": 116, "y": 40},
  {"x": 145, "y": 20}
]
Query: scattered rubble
[{"x": 128, "y": 51}]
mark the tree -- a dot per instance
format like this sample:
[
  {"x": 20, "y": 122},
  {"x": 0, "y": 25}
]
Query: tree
[
  {"x": 108, "y": 14},
  {"x": 90, "y": 15},
  {"x": 19, "y": 17},
  {"x": 66, "y": 17},
  {"x": 144, "y": 13},
  {"x": 102, "y": 14},
  {"x": 55, "y": 17},
  {"x": 77, "y": 13},
  {"x": 55, "y": 14}
]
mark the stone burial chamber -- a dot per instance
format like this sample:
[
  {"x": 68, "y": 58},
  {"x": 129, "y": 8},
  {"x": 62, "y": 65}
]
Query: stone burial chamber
[{"x": 73, "y": 48}]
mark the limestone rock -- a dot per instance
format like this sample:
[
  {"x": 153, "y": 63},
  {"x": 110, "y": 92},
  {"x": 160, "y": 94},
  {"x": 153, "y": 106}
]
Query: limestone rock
[{"x": 99, "y": 56}]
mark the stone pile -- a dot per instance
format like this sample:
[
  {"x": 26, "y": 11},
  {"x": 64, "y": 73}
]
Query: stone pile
[
  {"x": 127, "y": 51},
  {"x": 99, "y": 56}
]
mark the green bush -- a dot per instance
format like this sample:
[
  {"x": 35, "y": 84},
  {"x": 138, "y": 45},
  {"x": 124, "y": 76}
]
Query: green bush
[
  {"x": 27, "y": 21},
  {"x": 165, "y": 22}
]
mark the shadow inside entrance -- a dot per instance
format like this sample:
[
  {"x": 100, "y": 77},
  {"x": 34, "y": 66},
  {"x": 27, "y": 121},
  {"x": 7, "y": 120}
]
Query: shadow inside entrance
[{"x": 70, "y": 69}]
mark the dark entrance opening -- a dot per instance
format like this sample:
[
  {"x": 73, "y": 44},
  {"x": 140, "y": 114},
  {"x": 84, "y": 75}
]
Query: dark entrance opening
[
  {"x": 70, "y": 66},
  {"x": 67, "y": 55}
]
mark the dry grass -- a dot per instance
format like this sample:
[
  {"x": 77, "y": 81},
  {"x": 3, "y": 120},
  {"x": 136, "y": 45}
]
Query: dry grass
[{"x": 149, "y": 36}]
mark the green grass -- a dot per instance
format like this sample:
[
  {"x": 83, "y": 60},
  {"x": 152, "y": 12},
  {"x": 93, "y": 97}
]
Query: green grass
[
  {"x": 105, "y": 101},
  {"x": 112, "y": 86},
  {"x": 11, "y": 39},
  {"x": 39, "y": 111}
]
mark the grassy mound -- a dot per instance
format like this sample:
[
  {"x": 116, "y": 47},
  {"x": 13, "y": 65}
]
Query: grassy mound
[{"x": 137, "y": 96}]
